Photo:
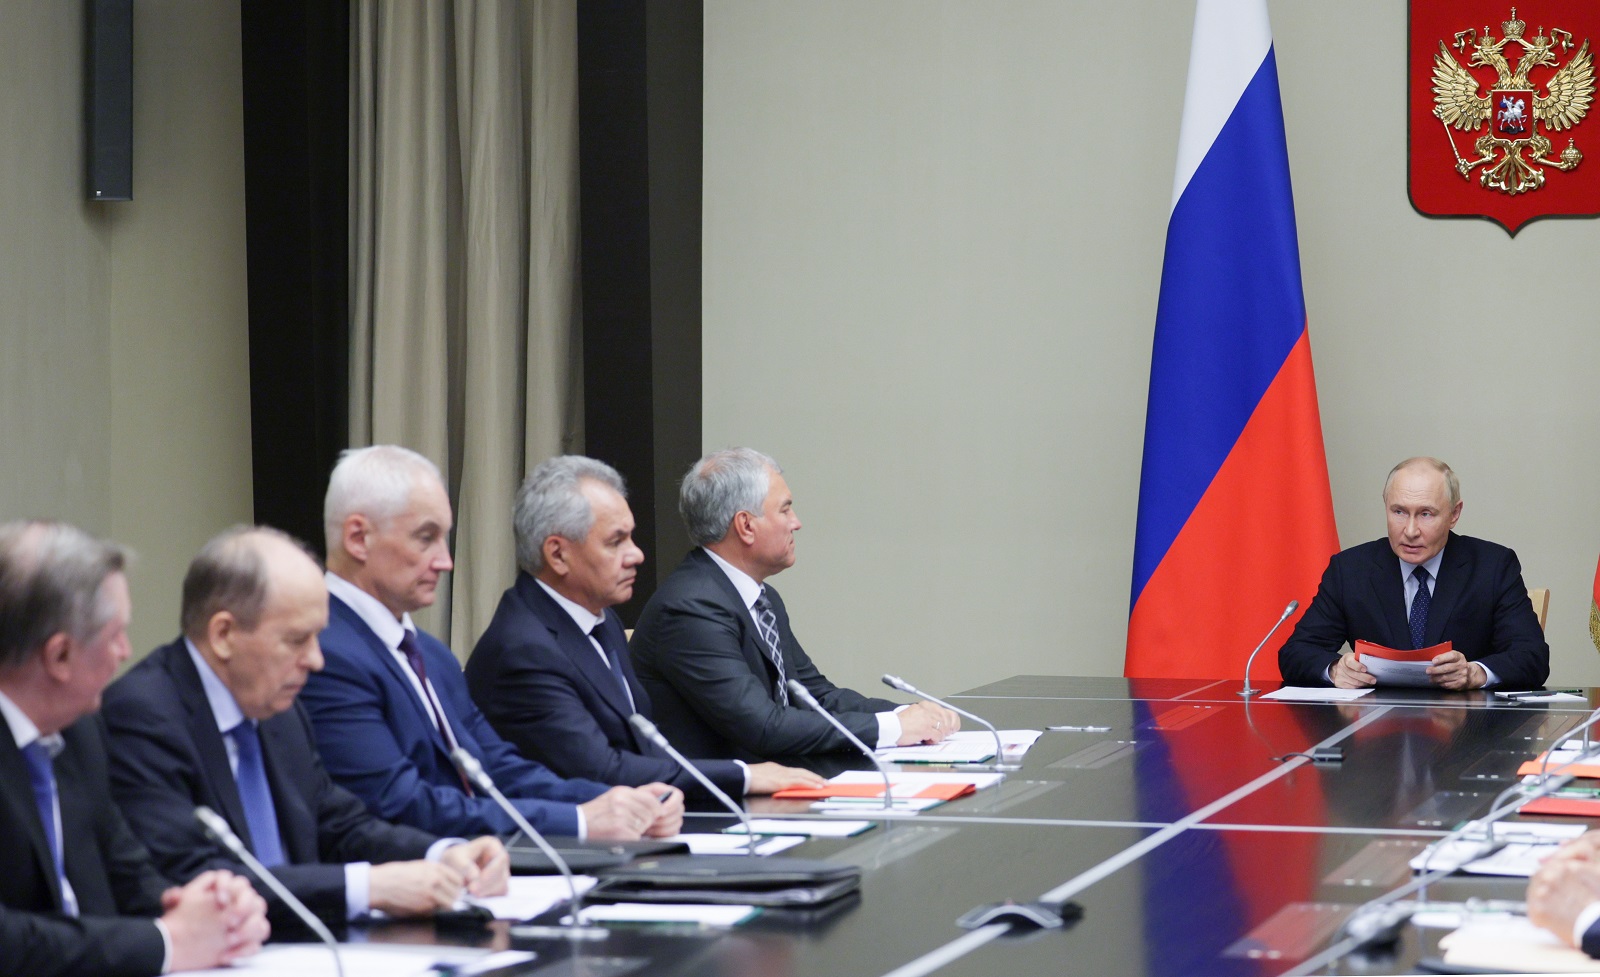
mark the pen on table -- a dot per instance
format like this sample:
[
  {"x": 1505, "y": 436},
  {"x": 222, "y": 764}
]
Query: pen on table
[
  {"x": 1542, "y": 694},
  {"x": 1079, "y": 729}
]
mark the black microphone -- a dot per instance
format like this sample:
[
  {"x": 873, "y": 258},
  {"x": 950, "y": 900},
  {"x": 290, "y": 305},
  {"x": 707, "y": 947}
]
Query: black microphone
[
  {"x": 218, "y": 828},
  {"x": 895, "y": 682},
  {"x": 804, "y": 695},
  {"x": 473, "y": 770},
  {"x": 648, "y": 730},
  {"x": 1247, "y": 691}
]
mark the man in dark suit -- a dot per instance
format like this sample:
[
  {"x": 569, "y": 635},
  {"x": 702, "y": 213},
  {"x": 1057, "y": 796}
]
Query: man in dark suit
[
  {"x": 1564, "y": 894},
  {"x": 713, "y": 647},
  {"x": 211, "y": 719},
  {"x": 391, "y": 702},
  {"x": 78, "y": 894},
  {"x": 553, "y": 672},
  {"x": 1421, "y": 586}
]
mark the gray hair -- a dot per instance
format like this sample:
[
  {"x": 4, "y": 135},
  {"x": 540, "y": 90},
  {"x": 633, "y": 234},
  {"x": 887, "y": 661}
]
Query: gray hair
[
  {"x": 551, "y": 503},
  {"x": 51, "y": 580},
  {"x": 230, "y": 574},
  {"x": 376, "y": 482},
  {"x": 720, "y": 486},
  {"x": 1423, "y": 461}
]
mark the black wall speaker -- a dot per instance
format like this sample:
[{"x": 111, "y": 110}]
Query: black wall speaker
[{"x": 108, "y": 102}]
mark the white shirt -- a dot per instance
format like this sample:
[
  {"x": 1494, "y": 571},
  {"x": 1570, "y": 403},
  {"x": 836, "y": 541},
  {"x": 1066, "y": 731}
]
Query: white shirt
[
  {"x": 586, "y": 622},
  {"x": 390, "y": 630},
  {"x": 749, "y": 591}
]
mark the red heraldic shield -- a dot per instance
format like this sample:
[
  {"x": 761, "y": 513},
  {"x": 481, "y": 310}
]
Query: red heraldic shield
[{"x": 1498, "y": 109}]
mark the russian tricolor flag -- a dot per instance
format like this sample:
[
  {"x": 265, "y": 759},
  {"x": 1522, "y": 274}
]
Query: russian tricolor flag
[{"x": 1235, "y": 514}]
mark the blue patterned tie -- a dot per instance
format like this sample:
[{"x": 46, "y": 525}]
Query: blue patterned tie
[
  {"x": 260, "y": 814},
  {"x": 42, "y": 776},
  {"x": 767, "y": 625},
  {"x": 613, "y": 660},
  {"x": 1419, "y": 607}
]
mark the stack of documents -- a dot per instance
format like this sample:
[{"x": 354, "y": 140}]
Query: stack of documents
[
  {"x": 1527, "y": 843},
  {"x": 861, "y": 791},
  {"x": 680, "y": 914},
  {"x": 726, "y": 844},
  {"x": 367, "y": 960},
  {"x": 1511, "y": 944},
  {"x": 967, "y": 746},
  {"x": 531, "y": 895}
]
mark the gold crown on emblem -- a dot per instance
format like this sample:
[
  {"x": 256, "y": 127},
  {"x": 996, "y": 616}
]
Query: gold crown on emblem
[{"x": 1513, "y": 27}]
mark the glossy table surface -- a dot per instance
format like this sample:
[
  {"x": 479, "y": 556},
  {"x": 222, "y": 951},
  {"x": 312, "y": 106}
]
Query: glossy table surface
[{"x": 1192, "y": 838}]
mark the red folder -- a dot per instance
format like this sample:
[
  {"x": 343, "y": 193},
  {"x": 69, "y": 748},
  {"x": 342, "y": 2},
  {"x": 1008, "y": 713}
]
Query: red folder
[
  {"x": 1537, "y": 767},
  {"x": 944, "y": 792},
  {"x": 1578, "y": 807},
  {"x": 1402, "y": 655}
]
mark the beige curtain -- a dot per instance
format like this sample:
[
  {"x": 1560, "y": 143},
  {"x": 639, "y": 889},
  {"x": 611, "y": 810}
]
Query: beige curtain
[{"x": 464, "y": 259}]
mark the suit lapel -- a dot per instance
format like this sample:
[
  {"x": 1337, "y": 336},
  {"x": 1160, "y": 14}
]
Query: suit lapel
[
  {"x": 755, "y": 650},
  {"x": 296, "y": 823},
  {"x": 575, "y": 645},
  {"x": 18, "y": 796},
  {"x": 397, "y": 673},
  {"x": 207, "y": 739},
  {"x": 1454, "y": 572},
  {"x": 1389, "y": 592}
]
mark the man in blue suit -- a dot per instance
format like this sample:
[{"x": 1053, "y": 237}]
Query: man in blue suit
[
  {"x": 552, "y": 672},
  {"x": 1421, "y": 586},
  {"x": 211, "y": 719},
  {"x": 391, "y": 703}
]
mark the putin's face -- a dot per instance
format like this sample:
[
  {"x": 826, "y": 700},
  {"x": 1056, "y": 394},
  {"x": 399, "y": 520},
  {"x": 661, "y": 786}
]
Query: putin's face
[{"x": 1420, "y": 515}]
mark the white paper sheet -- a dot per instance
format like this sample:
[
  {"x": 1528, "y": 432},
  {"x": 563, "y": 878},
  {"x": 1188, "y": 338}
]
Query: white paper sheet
[
  {"x": 725, "y": 844},
  {"x": 680, "y": 913},
  {"x": 966, "y": 746},
  {"x": 1527, "y": 844},
  {"x": 360, "y": 960},
  {"x": 1514, "y": 945},
  {"x": 1299, "y": 693},
  {"x": 531, "y": 895},
  {"x": 811, "y": 829}
]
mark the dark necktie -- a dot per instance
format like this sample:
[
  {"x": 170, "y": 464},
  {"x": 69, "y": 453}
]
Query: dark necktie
[
  {"x": 767, "y": 626},
  {"x": 413, "y": 652},
  {"x": 613, "y": 660},
  {"x": 260, "y": 814},
  {"x": 42, "y": 776},
  {"x": 1419, "y": 607}
]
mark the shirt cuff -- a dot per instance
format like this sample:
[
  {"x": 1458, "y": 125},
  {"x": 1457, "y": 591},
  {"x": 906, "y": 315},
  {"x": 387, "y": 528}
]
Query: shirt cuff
[
  {"x": 1586, "y": 919},
  {"x": 746, "y": 768},
  {"x": 436, "y": 850},
  {"x": 357, "y": 889},
  {"x": 166, "y": 946},
  {"x": 1490, "y": 679},
  {"x": 889, "y": 728},
  {"x": 583, "y": 824}
]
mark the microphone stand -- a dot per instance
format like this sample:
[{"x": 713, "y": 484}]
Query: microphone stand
[
  {"x": 1247, "y": 691},
  {"x": 804, "y": 695},
  {"x": 573, "y": 930},
  {"x": 649, "y": 731},
  {"x": 218, "y": 828},
  {"x": 895, "y": 682}
]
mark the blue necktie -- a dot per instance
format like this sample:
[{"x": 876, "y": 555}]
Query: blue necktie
[
  {"x": 260, "y": 814},
  {"x": 42, "y": 776},
  {"x": 1419, "y": 607},
  {"x": 613, "y": 660}
]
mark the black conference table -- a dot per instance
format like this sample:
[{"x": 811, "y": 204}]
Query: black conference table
[{"x": 1190, "y": 839}]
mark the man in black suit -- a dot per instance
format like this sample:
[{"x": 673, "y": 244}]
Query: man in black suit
[
  {"x": 553, "y": 672},
  {"x": 713, "y": 647},
  {"x": 1421, "y": 586},
  {"x": 78, "y": 893},
  {"x": 1564, "y": 894},
  {"x": 212, "y": 719}
]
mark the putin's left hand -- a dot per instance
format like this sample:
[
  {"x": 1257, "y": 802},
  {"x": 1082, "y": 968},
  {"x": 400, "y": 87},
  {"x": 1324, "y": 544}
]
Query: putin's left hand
[
  {"x": 482, "y": 863},
  {"x": 1451, "y": 670}
]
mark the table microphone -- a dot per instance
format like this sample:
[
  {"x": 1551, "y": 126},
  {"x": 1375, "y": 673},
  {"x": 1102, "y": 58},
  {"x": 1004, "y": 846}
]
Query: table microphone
[
  {"x": 648, "y": 730},
  {"x": 218, "y": 828},
  {"x": 1247, "y": 691},
  {"x": 895, "y": 682},
  {"x": 804, "y": 695},
  {"x": 473, "y": 770}
]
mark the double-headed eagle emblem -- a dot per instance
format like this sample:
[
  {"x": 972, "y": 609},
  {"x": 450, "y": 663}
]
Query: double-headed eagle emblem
[{"x": 1513, "y": 151}]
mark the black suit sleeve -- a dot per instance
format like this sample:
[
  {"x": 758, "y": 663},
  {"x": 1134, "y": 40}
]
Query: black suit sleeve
[
  {"x": 1322, "y": 631},
  {"x": 36, "y": 945},
  {"x": 1520, "y": 657}
]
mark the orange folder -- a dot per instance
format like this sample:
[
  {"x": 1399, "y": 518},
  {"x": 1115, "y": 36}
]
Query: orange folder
[
  {"x": 943, "y": 792},
  {"x": 1537, "y": 766},
  {"x": 1578, "y": 807}
]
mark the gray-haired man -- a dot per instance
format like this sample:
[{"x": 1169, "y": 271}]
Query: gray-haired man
[{"x": 714, "y": 648}]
